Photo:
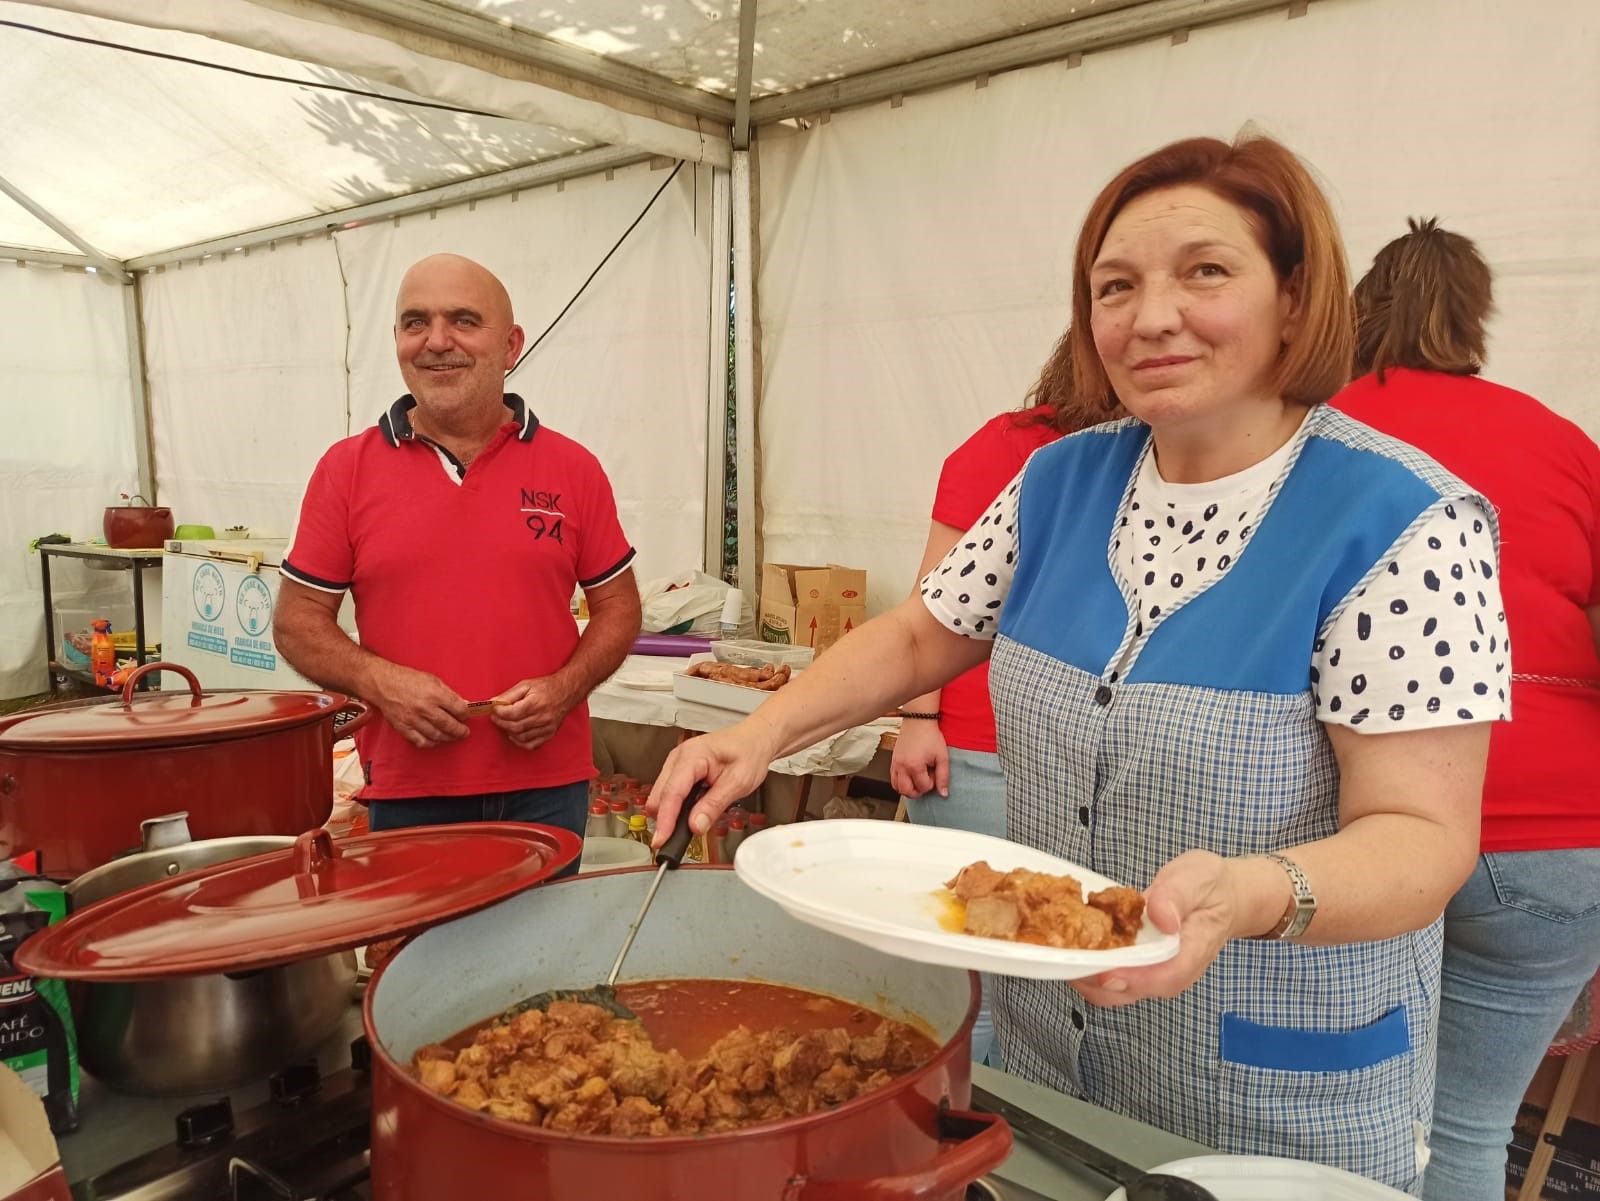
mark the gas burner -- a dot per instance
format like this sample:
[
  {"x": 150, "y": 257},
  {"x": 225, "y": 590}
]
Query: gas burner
[{"x": 308, "y": 1143}]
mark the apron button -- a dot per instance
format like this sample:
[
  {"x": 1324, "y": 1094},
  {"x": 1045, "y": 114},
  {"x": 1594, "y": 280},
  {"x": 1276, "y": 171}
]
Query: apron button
[
  {"x": 1102, "y": 695},
  {"x": 1083, "y": 814},
  {"x": 1077, "y": 1019}
]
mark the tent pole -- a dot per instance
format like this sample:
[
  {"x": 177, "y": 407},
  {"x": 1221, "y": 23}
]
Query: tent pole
[
  {"x": 744, "y": 316},
  {"x": 132, "y": 314},
  {"x": 744, "y": 378},
  {"x": 747, "y": 56},
  {"x": 426, "y": 66},
  {"x": 480, "y": 187},
  {"x": 103, "y": 262},
  {"x": 718, "y": 324},
  {"x": 1119, "y": 27},
  {"x": 473, "y": 30},
  {"x": 53, "y": 258}
]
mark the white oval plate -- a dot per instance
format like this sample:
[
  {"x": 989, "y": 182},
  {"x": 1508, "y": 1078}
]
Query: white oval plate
[
  {"x": 1266, "y": 1178},
  {"x": 882, "y": 884}
]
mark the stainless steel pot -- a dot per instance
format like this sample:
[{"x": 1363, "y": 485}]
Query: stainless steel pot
[{"x": 200, "y": 1033}]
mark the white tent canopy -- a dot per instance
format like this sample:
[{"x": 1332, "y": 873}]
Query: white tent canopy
[{"x": 251, "y": 178}]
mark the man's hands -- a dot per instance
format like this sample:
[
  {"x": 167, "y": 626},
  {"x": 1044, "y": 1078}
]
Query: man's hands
[
  {"x": 428, "y": 712},
  {"x": 530, "y": 713},
  {"x": 422, "y": 707}
]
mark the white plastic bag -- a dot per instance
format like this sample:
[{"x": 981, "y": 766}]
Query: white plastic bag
[{"x": 690, "y": 603}]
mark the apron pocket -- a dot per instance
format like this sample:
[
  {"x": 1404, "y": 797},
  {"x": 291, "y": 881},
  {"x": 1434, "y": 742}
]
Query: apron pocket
[
  {"x": 1252, "y": 1044},
  {"x": 1338, "y": 1098}
]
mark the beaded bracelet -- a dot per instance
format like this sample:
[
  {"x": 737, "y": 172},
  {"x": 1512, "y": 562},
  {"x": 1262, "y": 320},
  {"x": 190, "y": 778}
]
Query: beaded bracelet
[{"x": 934, "y": 716}]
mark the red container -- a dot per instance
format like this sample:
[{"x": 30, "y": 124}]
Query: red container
[
  {"x": 908, "y": 1141},
  {"x": 76, "y": 779},
  {"x": 137, "y": 527}
]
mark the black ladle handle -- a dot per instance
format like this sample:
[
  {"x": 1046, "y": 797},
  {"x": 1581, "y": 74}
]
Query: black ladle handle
[{"x": 671, "y": 852}]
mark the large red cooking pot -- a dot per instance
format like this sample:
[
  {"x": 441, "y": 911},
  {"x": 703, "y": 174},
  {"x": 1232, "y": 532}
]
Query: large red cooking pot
[
  {"x": 908, "y": 1141},
  {"x": 76, "y": 779}
]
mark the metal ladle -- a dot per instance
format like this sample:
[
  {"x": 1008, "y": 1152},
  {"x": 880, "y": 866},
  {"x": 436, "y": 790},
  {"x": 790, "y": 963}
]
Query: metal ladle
[
  {"x": 1139, "y": 1185},
  {"x": 605, "y": 995}
]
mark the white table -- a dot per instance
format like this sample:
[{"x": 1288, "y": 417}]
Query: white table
[{"x": 640, "y": 692}]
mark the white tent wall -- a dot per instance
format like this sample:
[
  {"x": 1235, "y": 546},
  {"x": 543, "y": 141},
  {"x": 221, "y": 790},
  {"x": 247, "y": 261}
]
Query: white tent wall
[
  {"x": 245, "y": 361},
  {"x": 624, "y": 372},
  {"x": 247, "y": 354},
  {"x": 916, "y": 260},
  {"x": 67, "y": 448}
]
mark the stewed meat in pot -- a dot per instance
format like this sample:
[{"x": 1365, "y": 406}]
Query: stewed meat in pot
[{"x": 704, "y": 1056}]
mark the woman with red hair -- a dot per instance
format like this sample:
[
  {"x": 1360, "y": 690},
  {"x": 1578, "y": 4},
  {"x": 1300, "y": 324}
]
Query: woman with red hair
[
  {"x": 1522, "y": 938},
  {"x": 1235, "y": 652}
]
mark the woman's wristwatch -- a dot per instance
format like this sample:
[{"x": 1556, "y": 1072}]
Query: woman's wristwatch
[{"x": 1302, "y": 907}]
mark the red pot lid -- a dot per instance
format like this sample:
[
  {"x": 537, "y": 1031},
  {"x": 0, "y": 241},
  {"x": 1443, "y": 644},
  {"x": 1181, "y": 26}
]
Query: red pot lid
[
  {"x": 149, "y": 719},
  {"x": 314, "y": 898}
]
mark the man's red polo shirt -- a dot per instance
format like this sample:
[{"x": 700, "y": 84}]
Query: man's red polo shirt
[{"x": 465, "y": 574}]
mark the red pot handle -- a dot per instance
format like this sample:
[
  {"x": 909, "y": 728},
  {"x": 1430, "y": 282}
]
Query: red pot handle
[
  {"x": 314, "y": 853},
  {"x": 975, "y": 1143},
  {"x": 363, "y": 714},
  {"x": 146, "y": 668}
]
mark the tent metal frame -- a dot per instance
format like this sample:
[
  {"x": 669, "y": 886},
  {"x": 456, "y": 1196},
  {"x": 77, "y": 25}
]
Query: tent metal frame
[
  {"x": 479, "y": 187},
  {"x": 568, "y": 63},
  {"x": 636, "y": 90},
  {"x": 1140, "y": 22}
]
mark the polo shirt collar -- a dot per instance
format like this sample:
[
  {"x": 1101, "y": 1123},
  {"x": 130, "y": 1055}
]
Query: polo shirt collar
[{"x": 395, "y": 424}]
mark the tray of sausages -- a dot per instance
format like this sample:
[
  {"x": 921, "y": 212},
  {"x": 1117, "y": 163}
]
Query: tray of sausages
[{"x": 740, "y": 687}]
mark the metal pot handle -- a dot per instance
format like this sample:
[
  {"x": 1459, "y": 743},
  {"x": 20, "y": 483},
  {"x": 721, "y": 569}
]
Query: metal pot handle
[
  {"x": 975, "y": 1143},
  {"x": 363, "y": 714},
  {"x": 146, "y": 668}
]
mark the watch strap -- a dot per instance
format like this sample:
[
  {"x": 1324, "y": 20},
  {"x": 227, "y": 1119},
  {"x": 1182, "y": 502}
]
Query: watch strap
[{"x": 1302, "y": 907}]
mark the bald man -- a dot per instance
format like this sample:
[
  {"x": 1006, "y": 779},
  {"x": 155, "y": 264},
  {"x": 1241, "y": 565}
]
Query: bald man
[{"x": 461, "y": 527}]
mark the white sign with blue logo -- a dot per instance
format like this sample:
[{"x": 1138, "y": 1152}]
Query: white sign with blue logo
[
  {"x": 252, "y": 646},
  {"x": 210, "y": 596}
]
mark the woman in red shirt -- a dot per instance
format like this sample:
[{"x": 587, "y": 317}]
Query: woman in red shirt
[
  {"x": 945, "y": 762},
  {"x": 1522, "y": 938}
]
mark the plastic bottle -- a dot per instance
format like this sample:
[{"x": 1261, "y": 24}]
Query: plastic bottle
[
  {"x": 736, "y": 834},
  {"x": 716, "y": 840},
  {"x": 695, "y": 852},
  {"x": 619, "y": 819},
  {"x": 102, "y": 652},
  {"x": 638, "y": 829},
  {"x": 758, "y": 823},
  {"x": 732, "y": 607},
  {"x": 599, "y": 823}
]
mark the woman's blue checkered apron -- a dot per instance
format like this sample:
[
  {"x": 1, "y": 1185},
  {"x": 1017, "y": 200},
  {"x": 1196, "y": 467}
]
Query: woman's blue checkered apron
[{"x": 1122, "y": 751}]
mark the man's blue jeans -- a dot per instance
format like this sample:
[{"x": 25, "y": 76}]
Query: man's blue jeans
[
  {"x": 1522, "y": 939},
  {"x": 564, "y": 805}
]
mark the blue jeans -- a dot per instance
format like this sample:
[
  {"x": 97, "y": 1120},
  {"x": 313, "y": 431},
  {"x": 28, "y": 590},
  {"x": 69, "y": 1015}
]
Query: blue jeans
[
  {"x": 564, "y": 805},
  {"x": 1522, "y": 939},
  {"x": 977, "y": 802}
]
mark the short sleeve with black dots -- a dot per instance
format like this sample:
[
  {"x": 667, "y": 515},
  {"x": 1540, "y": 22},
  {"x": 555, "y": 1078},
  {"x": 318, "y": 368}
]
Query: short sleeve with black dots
[
  {"x": 966, "y": 591},
  {"x": 1424, "y": 643}
]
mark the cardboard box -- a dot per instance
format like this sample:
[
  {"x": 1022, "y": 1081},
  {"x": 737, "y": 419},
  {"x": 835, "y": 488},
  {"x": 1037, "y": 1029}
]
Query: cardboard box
[
  {"x": 811, "y": 606},
  {"x": 30, "y": 1165}
]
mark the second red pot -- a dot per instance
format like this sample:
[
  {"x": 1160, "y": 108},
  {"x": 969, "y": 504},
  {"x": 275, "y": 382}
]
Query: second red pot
[{"x": 76, "y": 779}]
